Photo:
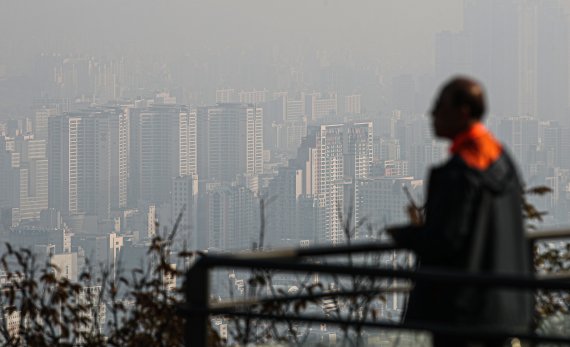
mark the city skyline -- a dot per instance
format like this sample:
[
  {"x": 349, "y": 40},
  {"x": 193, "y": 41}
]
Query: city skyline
[{"x": 137, "y": 129}]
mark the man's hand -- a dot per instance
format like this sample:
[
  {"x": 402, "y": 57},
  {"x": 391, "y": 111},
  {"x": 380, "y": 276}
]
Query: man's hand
[
  {"x": 415, "y": 214},
  {"x": 403, "y": 235},
  {"x": 395, "y": 230}
]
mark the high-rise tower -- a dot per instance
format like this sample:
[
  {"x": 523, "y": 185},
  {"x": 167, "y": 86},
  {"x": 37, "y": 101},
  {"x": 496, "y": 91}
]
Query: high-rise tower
[
  {"x": 230, "y": 141},
  {"x": 88, "y": 161},
  {"x": 24, "y": 172},
  {"x": 162, "y": 146}
]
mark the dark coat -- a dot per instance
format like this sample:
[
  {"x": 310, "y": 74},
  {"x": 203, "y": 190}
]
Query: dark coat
[{"x": 473, "y": 223}]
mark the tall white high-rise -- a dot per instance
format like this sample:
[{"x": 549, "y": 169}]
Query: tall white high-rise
[
  {"x": 119, "y": 156},
  {"x": 329, "y": 187},
  {"x": 358, "y": 157},
  {"x": 359, "y": 144},
  {"x": 311, "y": 196},
  {"x": 163, "y": 145},
  {"x": 87, "y": 155},
  {"x": 326, "y": 163}
]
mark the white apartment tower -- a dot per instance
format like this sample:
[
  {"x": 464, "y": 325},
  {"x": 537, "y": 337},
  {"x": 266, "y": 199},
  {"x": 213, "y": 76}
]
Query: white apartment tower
[
  {"x": 163, "y": 145},
  {"x": 87, "y": 155},
  {"x": 322, "y": 180},
  {"x": 329, "y": 180},
  {"x": 358, "y": 157},
  {"x": 359, "y": 143},
  {"x": 119, "y": 157}
]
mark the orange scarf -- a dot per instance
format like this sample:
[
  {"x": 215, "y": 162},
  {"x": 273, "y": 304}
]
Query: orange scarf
[{"x": 477, "y": 147}]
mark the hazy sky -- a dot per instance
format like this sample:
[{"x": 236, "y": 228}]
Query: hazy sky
[{"x": 399, "y": 33}]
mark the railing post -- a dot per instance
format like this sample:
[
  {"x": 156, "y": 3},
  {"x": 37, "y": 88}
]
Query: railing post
[{"x": 197, "y": 288}]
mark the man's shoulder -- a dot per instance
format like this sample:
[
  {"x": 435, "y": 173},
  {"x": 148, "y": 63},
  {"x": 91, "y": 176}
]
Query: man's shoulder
[
  {"x": 456, "y": 164},
  {"x": 453, "y": 166},
  {"x": 452, "y": 174},
  {"x": 497, "y": 177},
  {"x": 455, "y": 169}
]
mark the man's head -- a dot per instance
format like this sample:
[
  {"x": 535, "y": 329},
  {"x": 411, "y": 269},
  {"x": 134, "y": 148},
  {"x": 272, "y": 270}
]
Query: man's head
[{"x": 460, "y": 104}]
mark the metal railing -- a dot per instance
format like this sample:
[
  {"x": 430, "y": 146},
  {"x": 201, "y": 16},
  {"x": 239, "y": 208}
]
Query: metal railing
[{"x": 198, "y": 307}]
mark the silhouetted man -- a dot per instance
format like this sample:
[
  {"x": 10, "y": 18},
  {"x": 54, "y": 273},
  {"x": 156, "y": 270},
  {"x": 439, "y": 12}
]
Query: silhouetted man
[{"x": 473, "y": 223}]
